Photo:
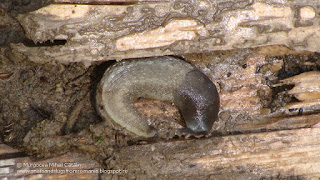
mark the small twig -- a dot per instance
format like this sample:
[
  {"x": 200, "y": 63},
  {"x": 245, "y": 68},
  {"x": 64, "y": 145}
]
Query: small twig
[
  {"x": 74, "y": 115},
  {"x": 5, "y": 75}
]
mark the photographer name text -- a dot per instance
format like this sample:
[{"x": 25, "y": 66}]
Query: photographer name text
[{"x": 44, "y": 165}]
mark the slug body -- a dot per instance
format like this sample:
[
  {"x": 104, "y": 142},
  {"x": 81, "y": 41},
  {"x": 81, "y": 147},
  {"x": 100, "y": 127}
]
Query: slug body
[{"x": 163, "y": 78}]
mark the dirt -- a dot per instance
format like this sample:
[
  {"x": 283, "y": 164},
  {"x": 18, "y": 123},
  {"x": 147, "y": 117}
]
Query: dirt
[
  {"x": 49, "y": 109},
  {"x": 38, "y": 93}
]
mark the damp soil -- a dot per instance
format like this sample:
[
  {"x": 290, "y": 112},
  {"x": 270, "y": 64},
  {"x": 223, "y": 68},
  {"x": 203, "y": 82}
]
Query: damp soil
[{"x": 49, "y": 109}]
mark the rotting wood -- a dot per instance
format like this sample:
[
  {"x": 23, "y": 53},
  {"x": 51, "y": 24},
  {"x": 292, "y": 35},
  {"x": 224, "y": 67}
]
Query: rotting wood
[
  {"x": 287, "y": 153},
  {"x": 85, "y": 46},
  {"x": 307, "y": 85},
  {"x": 94, "y": 33}
]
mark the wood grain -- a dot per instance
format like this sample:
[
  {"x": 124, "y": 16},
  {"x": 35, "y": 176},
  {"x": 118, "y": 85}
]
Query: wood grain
[
  {"x": 286, "y": 153},
  {"x": 96, "y": 33}
]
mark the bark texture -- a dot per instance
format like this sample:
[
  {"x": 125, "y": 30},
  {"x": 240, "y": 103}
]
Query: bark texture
[
  {"x": 96, "y": 32},
  {"x": 288, "y": 153}
]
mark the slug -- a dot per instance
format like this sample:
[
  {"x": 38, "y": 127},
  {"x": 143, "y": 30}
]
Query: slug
[{"x": 164, "y": 78}]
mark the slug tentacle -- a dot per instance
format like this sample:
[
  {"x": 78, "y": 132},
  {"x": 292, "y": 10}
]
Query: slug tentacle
[{"x": 163, "y": 78}]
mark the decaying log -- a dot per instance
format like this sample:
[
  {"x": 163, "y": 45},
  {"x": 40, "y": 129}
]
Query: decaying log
[
  {"x": 269, "y": 149},
  {"x": 288, "y": 153},
  {"x": 96, "y": 32}
]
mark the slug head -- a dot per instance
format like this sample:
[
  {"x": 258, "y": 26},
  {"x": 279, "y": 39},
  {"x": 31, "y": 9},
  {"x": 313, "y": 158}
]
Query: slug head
[{"x": 198, "y": 101}]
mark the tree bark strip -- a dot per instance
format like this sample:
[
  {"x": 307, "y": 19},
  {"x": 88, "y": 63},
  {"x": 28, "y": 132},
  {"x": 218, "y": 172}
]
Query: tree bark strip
[{"x": 106, "y": 32}]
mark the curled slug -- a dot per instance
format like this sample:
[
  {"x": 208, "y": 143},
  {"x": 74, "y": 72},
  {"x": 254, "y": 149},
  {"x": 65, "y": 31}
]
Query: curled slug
[{"x": 164, "y": 78}]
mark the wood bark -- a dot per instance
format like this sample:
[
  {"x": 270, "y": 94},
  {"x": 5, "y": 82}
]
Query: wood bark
[
  {"x": 281, "y": 154},
  {"x": 95, "y": 32}
]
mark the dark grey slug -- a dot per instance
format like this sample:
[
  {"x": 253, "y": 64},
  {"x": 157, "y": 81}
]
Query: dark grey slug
[{"x": 163, "y": 78}]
